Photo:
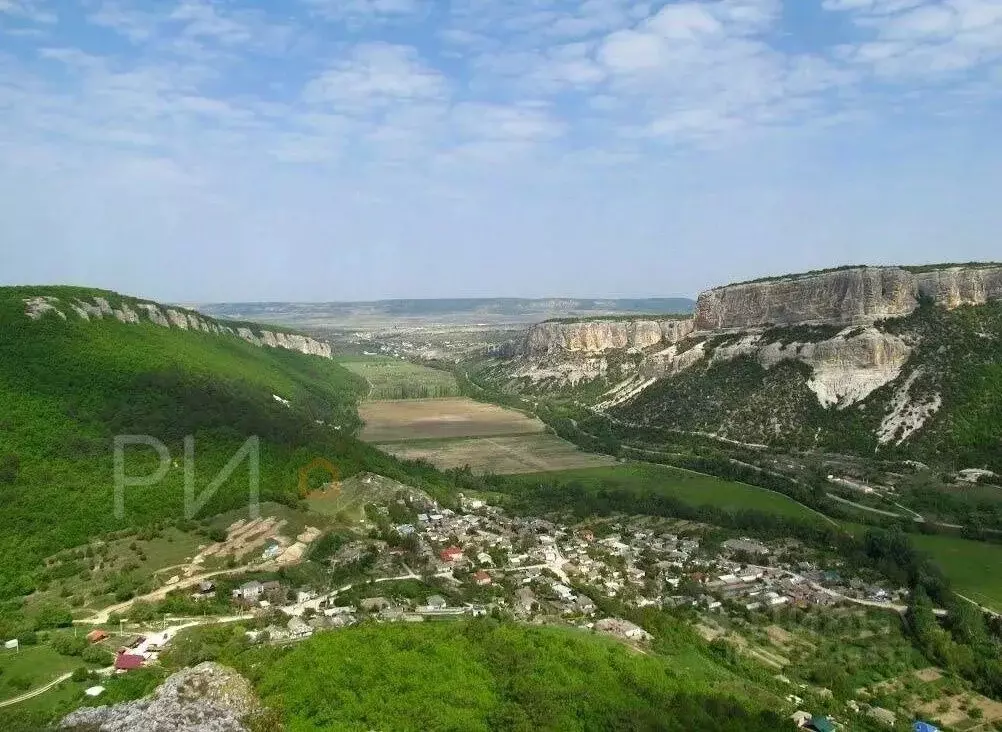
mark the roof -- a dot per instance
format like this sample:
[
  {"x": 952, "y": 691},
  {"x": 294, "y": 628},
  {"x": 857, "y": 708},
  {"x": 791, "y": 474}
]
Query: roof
[
  {"x": 437, "y": 600},
  {"x": 821, "y": 724},
  {"x": 924, "y": 727},
  {"x": 96, "y": 635},
  {"x": 128, "y": 661}
]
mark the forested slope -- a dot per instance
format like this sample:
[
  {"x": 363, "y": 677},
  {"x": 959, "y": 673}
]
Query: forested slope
[{"x": 68, "y": 385}]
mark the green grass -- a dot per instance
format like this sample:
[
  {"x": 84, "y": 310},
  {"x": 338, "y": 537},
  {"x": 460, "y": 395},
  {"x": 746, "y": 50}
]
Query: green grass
[
  {"x": 35, "y": 665},
  {"x": 392, "y": 378},
  {"x": 693, "y": 488},
  {"x": 972, "y": 566}
]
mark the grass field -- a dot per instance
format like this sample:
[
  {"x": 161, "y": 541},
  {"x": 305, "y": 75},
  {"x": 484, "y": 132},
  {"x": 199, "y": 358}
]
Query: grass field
[
  {"x": 416, "y": 419},
  {"x": 500, "y": 455},
  {"x": 972, "y": 566},
  {"x": 692, "y": 488},
  {"x": 392, "y": 378}
]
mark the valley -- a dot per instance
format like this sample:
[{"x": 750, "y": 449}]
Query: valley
[{"x": 552, "y": 475}]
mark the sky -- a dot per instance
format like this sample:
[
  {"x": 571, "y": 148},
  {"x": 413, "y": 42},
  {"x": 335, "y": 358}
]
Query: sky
[{"x": 211, "y": 150}]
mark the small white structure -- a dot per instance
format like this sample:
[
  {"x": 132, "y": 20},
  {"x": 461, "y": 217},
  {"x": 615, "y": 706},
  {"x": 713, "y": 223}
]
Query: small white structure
[{"x": 94, "y": 691}]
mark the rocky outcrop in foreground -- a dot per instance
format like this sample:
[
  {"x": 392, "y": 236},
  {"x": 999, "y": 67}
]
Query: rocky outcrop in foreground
[
  {"x": 167, "y": 317},
  {"x": 206, "y": 698},
  {"x": 844, "y": 297}
]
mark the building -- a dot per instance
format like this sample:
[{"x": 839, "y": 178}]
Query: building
[
  {"x": 128, "y": 662},
  {"x": 623, "y": 629},
  {"x": 94, "y": 691},
  {"x": 437, "y": 602},
  {"x": 96, "y": 636},
  {"x": 482, "y": 578},
  {"x": 451, "y": 554},
  {"x": 249, "y": 591}
]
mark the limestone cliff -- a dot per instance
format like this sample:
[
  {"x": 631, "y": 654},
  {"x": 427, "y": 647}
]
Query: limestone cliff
[
  {"x": 845, "y": 296},
  {"x": 598, "y": 336},
  {"x": 134, "y": 312}
]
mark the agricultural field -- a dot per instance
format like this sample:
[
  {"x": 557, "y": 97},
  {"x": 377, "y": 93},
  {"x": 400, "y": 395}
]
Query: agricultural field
[
  {"x": 969, "y": 565},
  {"x": 695, "y": 489},
  {"x": 393, "y": 378},
  {"x": 500, "y": 455},
  {"x": 417, "y": 419}
]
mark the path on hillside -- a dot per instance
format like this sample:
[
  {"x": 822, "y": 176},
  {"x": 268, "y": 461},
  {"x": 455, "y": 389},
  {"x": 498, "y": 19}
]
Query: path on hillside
[
  {"x": 34, "y": 692},
  {"x": 101, "y": 617}
]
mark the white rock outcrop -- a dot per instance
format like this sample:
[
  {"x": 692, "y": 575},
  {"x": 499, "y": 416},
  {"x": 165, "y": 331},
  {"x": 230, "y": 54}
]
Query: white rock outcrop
[
  {"x": 207, "y": 698},
  {"x": 597, "y": 336},
  {"x": 36, "y": 307}
]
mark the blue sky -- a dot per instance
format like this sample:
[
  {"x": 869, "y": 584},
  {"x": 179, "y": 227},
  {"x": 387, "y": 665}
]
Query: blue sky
[{"x": 351, "y": 149}]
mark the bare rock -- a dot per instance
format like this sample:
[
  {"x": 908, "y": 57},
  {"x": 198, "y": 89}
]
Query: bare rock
[{"x": 207, "y": 698}]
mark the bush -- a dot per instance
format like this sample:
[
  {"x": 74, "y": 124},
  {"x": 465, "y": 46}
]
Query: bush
[
  {"x": 97, "y": 655},
  {"x": 67, "y": 644},
  {"x": 217, "y": 534},
  {"x": 80, "y": 674}
]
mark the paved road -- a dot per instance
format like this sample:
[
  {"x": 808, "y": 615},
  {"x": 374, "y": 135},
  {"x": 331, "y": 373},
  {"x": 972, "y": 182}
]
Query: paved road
[{"x": 34, "y": 692}]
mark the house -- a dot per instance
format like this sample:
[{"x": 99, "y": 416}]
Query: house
[
  {"x": 128, "y": 662},
  {"x": 485, "y": 558},
  {"x": 437, "y": 602},
  {"x": 622, "y": 628},
  {"x": 482, "y": 578},
  {"x": 451, "y": 554},
  {"x": 96, "y": 636},
  {"x": 249, "y": 591}
]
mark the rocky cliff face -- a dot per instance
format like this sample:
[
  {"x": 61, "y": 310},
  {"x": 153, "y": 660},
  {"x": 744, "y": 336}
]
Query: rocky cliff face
[
  {"x": 598, "y": 336},
  {"x": 845, "y": 297},
  {"x": 167, "y": 317}
]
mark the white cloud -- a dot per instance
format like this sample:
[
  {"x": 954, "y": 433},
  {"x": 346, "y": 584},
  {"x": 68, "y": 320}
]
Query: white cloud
[{"x": 374, "y": 75}]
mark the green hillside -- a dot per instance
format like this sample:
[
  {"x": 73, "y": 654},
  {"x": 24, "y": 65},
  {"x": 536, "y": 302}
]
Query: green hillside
[
  {"x": 69, "y": 385},
  {"x": 489, "y": 676}
]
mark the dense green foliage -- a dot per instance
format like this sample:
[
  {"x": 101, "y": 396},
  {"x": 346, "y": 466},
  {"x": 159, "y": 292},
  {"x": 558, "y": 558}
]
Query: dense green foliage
[
  {"x": 488, "y": 676},
  {"x": 68, "y": 386}
]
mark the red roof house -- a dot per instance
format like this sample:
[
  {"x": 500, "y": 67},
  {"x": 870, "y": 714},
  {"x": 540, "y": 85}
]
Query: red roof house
[
  {"x": 452, "y": 554},
  {"x": 481, "y": 577},
  {"x": 128, "y": 661},
  {"x": 96, "y": 636}
]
